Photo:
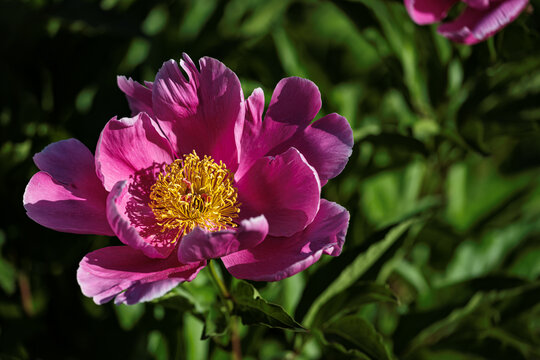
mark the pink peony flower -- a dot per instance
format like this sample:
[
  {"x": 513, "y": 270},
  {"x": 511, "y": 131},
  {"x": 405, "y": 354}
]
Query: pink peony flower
[
  {"x": 480, "y": 20},
  {"x": 197, "y": 174}
]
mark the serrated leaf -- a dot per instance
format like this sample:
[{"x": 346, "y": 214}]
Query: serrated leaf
[
  {"x": 356, "y": 336},
  {"x": 254, "y": 310}
]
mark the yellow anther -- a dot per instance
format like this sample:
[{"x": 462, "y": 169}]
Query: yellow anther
[{"x": 192, "y": 192}]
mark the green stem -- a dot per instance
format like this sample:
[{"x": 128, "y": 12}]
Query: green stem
[
  {"x": 218, "y": 280},
  {"x": 227, "y": 300}
]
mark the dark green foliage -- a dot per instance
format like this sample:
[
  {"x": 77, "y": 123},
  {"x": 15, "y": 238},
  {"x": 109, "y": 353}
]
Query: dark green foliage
[{"x": 254, "y": 310}]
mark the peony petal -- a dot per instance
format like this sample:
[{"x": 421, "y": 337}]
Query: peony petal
[
  {"x": 474, "y": 25},
  {"x": 428, "y": 11},
  {"x": 478, "y": 4},
  {"x": 251, "y": 146},
  {"x": 326, "y": 143},
  {"x": 107, "y": 272},
  {"x": 146, "y": 292},
  {"x": 67, "y": 161},
  {"x": 254, "y": 112},
  {"x": 200, "y": 244},
  {"x": 285, "y": 188},
  {"x": 204, "y": 113},
  {"x": 128, "y": 145},
  {"x": 139, "y": 97},
  {"x": 295, "y": 102},
  {"x": 133, "y": 221},
  {"x": 277, "y": 258},
  {"x": 67, "y": 195}
]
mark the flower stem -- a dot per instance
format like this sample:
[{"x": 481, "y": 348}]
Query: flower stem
[
  {"x": 218, "y": 280},
  {"x": 227, "y": 300}
]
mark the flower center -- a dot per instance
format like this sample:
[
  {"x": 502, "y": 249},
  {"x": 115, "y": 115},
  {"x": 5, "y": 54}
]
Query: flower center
[{"x": 192, "y": 192}]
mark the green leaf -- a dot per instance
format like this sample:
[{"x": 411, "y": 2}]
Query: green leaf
[
  {"x": 401, "y": 40},
  {"x": 195, "y": 348},
  {"x": 252, "y": 18},
  {"x": 178, "y": 299},
  {"x": 7, "y": 271},
  {"x": 357, "y": 268},
  {"x": 475, "y": 189},
  {"x": 196, "y": 16},
  {"x": 287, "y": 53},
  {"x": 254, "y": 310},
  {"x": 475, "y": 258},
  {"x": 215, "y": 323},
  {"x": 352, "y": 299},
  {"x": 481, "y": 314},
  {"x": 527, "y": 264},
  {"x": 356, "y": 336},
  {"x": 129, "y": 315},
  {"x": 392, "y": 196},
  {"x": 157, "y": 345},
  {"x": 156, "y": 20}
]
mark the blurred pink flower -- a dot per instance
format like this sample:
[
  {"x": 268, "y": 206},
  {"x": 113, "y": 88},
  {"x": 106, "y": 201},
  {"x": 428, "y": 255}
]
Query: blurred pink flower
[
  {"x": 197, "y": 174},
  {"x": 480, "y": 20}
]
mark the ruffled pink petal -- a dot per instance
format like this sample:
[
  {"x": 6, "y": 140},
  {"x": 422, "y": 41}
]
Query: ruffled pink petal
[
  {"x": 107, "y": 272},
  {"x": 428, "y": 11},
  {"x": 474, "y": 25},
  {"x": 285, "y": 188},
  {"x": 326, "y": 143},
  {"x": 139, "y": 97},
  {"x": 133, "y": 220},
  {"x": 277, "y": 258},
  {"x": 200, "y": 244},
  {"x": 67, "y": 195},
  {"x": 129, "y": 145},
  {"x": 204, "y": 112}
]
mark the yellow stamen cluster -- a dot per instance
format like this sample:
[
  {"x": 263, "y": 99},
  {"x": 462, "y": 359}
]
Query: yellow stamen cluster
[{"x": 192, "y": 192}]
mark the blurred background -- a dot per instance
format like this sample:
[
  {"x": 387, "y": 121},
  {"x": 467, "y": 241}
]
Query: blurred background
[{"x": 443, "y": 185}]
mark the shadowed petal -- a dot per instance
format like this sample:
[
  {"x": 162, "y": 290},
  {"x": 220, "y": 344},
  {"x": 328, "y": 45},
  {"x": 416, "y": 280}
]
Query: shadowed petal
[
  {"x": 146, "y": 292},
  {"x": 128, "y": 145},
  {"x": 277, "y": 258},
  {"x": 67, "y": 194},
  {"x": 285, "y": 188},
  {"x": 107, "y": 272},
  {"x": 474, "y": 25},
  {"x": 428, "y": 11},
  {"x": 200, "y": 244},
  {"x": 133, "y": 221}
]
